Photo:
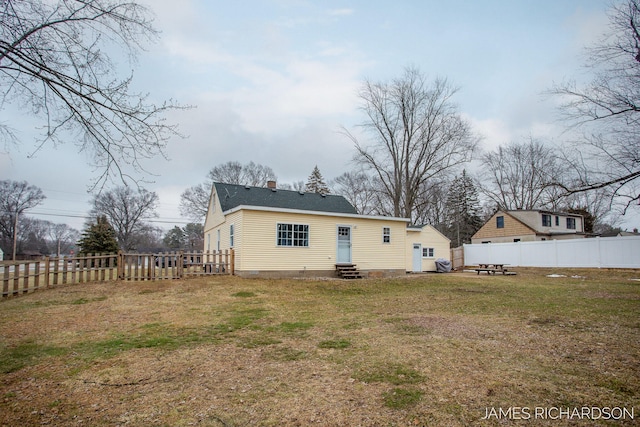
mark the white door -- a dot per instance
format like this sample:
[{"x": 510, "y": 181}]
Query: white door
[
  {"x": 344, "y": 245},
  {"x": 417, "y": 257}
]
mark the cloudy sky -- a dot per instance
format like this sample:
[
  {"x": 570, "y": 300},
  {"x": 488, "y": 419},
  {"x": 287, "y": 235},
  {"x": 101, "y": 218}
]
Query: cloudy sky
[{"x": 273, "y": 81}]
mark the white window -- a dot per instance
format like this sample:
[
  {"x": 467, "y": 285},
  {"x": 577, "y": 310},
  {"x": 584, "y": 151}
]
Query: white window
[
  {"x": 571, "y": 223},
  {"x": 546, "y": 220},
  {"x": 386, "y": 235},
  {"x": 293, "y": 235},
  {"x": 231, "y": 227},
  {"x": 428, "y": 252},
  {"x": 218, "y": 240},
  {"x": 208, "y": 241}
]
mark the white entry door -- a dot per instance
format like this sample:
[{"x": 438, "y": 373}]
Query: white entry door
[
  {"x": 417, "y": 257},
  {"x": 344, "y": 245}
]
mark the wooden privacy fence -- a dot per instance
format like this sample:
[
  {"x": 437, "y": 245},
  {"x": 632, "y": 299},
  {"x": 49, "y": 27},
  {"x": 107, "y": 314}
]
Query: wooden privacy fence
[
  {"x": 21, "y": 277},
  {"x": 457, "y": 257}
]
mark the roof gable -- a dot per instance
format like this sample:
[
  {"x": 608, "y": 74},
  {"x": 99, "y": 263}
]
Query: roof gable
[{"x": 232, "y": 195}]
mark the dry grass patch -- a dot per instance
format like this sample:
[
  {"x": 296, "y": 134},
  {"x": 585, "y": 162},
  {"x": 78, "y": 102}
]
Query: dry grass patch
[{"x": 425, "y": 350}]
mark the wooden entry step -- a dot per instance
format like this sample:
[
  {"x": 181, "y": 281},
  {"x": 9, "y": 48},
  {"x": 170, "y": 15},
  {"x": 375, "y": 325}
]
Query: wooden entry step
[{"x": 348, "y": 271}]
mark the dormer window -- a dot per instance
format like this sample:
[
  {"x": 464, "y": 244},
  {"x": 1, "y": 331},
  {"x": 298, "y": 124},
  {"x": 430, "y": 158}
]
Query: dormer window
[
  {"x": 571, "y": 223},
  {"x": 546, "y": 220}
]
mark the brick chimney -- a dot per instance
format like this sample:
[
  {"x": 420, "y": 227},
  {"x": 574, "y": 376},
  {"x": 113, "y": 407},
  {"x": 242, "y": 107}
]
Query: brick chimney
[{"x": 271, "y": 184}]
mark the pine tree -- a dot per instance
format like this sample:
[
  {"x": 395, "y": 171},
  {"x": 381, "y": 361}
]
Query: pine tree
[
  {"x": 99, "y": 238},
  {"x": 315, "y": 183},
  {"x": 463, "y": 210}
]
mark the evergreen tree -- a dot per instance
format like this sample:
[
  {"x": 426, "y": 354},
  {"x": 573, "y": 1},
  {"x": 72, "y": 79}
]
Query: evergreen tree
[
  {"x": 463, "y": 210},
  {"x": 315, "y": 183},
  {"x": 99, "y": 238},
  {"x": 174, "y": 238}
]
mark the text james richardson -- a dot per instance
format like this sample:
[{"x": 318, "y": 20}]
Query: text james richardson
[{"x": 559, "y": 413}]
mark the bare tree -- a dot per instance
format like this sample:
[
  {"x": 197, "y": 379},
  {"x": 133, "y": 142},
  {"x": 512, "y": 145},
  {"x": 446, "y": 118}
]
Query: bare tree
[
  {"x": 54, "y": 61},
  {"x": 127, "y": 212},
  {"x": 607, "y": 110},
  {"x": 416, "y": 134},
  {"x": 194, "y": 201},
  {"x": 63, "y": 237},
  {"x": 520, "y": 175},
  {"x": 431, "y": 207},
  {"x": 359, "y": 189},
  {"x": 15, "y": 198}
]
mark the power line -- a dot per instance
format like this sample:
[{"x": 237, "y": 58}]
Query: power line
[{"x": 157, "y": 221}]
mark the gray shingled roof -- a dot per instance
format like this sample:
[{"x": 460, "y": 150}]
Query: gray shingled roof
[{"x": 231, "y": 195}]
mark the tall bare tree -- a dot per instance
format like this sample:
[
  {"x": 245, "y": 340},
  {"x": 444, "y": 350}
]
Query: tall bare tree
[
  {"x": 128, "y": 212},
  {"x": 55, "y": 63},
  {"x": 194, "y": 201},
  {"x": 520, "y": 175},
  {"x": 15, "y": 198},
  {"x": 607, "y": 110},
  {"x": 359, "y": 189},
  {"x": 416, "y": 135}
]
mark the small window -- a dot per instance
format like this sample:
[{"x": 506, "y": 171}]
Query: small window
[
  {"x": 428, "y": 252},
  {"x": 571, "y": 223},
  {"x": 557, "y": 221},
  {"x": 386, "y": 235},
  {"x": 292, "y": 235},
  {"x": 546, "y": 220},
  {"x": 499, "y": 222},
  {"x": 218, "y": 240},
  {"x": 208, "y": 241},
  {"x": 231, "y": 227},
  {"x": 516, "y": 240}
]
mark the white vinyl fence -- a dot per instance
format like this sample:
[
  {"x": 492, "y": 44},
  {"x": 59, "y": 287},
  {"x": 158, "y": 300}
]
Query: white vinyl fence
[{"x": 599, "y": 252}]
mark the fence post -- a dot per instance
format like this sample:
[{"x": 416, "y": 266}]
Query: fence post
[
  {"x": 232, "y": 267},
  {"x": 25, "y": 280},
  {"x": 47, "y": 271},
  {"x": 5, "y": 281},
  {"x": 36, "y": 276},
  {"x": 120, "y": 265}
]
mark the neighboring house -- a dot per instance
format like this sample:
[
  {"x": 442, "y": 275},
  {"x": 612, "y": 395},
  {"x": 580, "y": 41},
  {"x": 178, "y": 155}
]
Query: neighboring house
[
  {"x": 530, "y": 225},
  {"x": 277, "y": 232}
]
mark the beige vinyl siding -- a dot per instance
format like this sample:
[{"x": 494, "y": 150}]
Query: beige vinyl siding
[
  {"x": 261, "y": 253},
  {"x": 224, "y": 227},
  {"x": 368, "y": 250},
  {"x": 214, "y": 218},
  {"x": 513, "y": 228}
]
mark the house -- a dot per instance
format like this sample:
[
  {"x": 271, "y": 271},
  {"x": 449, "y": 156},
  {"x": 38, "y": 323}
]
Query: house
[
  {"x": 276, "y": 232},
  {"x": 529, "y": 225}
]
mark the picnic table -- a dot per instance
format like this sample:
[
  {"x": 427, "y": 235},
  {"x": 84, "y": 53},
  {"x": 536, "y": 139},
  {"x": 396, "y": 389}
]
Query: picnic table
[{"x": 492, "y": 268}]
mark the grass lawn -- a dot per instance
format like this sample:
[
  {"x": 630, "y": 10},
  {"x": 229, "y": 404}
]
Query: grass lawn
[{"x": 437, "y": 349}]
